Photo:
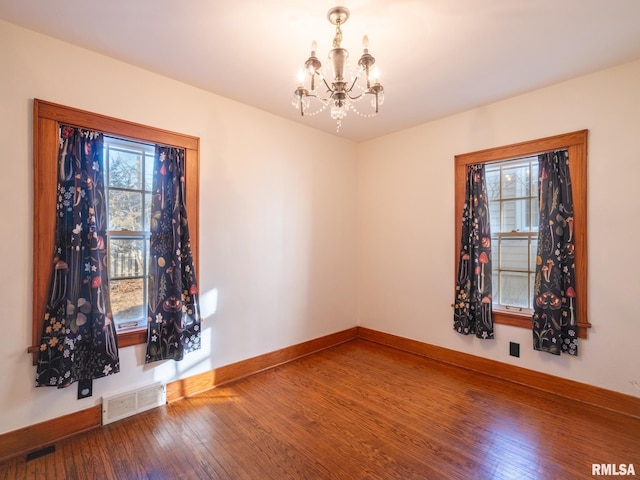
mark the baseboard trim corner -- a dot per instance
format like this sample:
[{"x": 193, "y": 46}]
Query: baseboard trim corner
[
  {"x": 195, "y": 384},
  {"x": 588, "y": 394},
  {"x": 34, "y": 437}
]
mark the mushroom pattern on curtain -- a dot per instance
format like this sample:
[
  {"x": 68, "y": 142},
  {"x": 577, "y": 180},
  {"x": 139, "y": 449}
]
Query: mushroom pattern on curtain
[
  {"x": 174, "y": 312},
  {"x": 473, "y": 312},
  {"x": 78, "y": 340},
  {"x": 554, "y": 320}
]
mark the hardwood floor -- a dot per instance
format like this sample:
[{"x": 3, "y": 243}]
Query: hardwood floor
[{"x": 356, "y": 411}]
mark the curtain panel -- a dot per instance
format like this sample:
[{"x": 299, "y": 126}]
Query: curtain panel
[
  {"x": 78, "y": 340},
  {"x": 554, "y": 319},
  {"x": 174, "y": 312},
  {"x": 473, "y": 312}
]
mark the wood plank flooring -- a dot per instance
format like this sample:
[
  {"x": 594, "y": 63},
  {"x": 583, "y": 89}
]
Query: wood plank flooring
[{"x": 356, "y": 411}]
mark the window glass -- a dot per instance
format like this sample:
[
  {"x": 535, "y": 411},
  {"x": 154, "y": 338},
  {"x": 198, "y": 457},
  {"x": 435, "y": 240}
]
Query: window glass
[
  {"x": 514, "y": 289},
  {"x": 127, "y": 304},
  {"x": 514, "y": 253},
  {"x": 125, "y": 210},
  {"x": 125, "y": 166}
]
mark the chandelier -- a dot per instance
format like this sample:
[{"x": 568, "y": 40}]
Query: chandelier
[{"x": 340, "y": 93}]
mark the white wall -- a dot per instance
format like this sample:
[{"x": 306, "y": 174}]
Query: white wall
[
  {"x": 277, "y": 218},
  {"x": 406, "y": 224}
]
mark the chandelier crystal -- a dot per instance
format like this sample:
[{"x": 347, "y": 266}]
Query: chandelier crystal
[{"x": 340, "y": 93}]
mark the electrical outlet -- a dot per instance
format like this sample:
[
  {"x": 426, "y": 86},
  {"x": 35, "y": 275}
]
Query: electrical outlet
[
  {"x": 514, "y": 349},
  {"x": 85, "y": 388}
]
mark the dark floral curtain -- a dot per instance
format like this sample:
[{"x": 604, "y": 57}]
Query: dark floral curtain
[
  {"x": 79, "y": 341},
  {"x": 554, "y": 321},
  {"x": 174, "y": 313},
  {"x": 472, "y": 308}
]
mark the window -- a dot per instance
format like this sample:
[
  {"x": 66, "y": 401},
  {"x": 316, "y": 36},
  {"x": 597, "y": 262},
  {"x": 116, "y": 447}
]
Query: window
[
  {"x": 513, "y": 209},
  {"x": 127, "y": 143},
  {"x": 512, "y": 177},
  {"x": 129, "y": 177}
]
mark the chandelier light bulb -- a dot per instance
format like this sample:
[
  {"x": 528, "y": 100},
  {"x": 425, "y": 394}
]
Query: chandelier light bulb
[
  {"x": 300, "y": 77},
  {"x": 365, "y": 42},
  {"x": 376, "y": 75},
  {"x": 314, "y": 47}
]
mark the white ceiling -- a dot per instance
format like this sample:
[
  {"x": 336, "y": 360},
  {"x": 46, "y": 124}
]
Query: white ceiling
[{"x": 436, "y": 57}]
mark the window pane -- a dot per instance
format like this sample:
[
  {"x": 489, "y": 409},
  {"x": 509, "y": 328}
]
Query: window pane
[
  {"x": 126, "y": 257},
  {"x": 125, "y": 210},
  {"x": 148, "y": 170},
  {"x": 514, "y": 289},
  {"x": 533, "y": 253},
  {"x": 514, "y": 253},
  {"x": 147, "y": 211},
  {"x": 147, "y": 257},
  {"x": 532, "y": 282},
  {"x": 535, "y": 212},
  {"x": 494, "y": 216},
  {"x": 516, "y": 215},
  {"x": 495, "y": 284},
  {"x": 125, "y": 169},
  {"x": 127, "y": 302},
  {"x": 516, "y": 181},
  {"x": 492, "y": 179},
  {"x": 495, "y": 252}
]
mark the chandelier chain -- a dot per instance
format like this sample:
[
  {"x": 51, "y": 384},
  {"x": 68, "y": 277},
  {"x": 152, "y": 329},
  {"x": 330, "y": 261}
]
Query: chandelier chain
[{"x": 337, "y": 40}]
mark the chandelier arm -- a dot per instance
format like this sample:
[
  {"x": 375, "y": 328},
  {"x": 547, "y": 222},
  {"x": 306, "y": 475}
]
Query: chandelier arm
[
  {"x": 354, "y": 83},
  {"x": 323, "y": 100},
  {"x": 329, "y": 89}
]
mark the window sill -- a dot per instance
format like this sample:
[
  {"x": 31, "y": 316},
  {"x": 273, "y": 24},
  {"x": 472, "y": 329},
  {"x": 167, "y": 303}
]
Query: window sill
[
  {"x": 524, "y": 321},
  {"x": 135, "y": 337}
]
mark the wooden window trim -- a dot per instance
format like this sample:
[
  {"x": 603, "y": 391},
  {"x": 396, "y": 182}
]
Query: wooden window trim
[
  {"x": 576, "y": 144},
  {"x": 47, "y": 118}
]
